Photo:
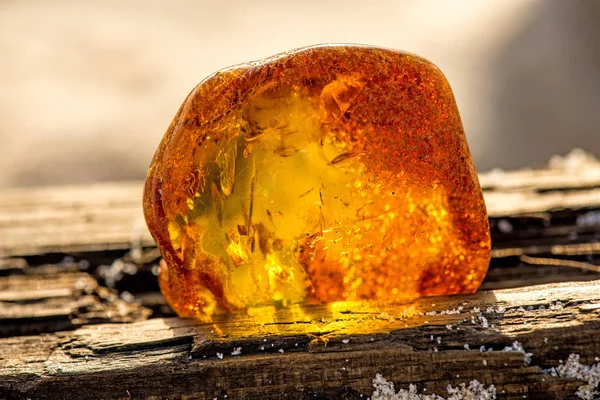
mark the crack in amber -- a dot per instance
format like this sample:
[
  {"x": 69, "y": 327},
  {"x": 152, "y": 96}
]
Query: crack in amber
[{"x": 329, "y": 173}]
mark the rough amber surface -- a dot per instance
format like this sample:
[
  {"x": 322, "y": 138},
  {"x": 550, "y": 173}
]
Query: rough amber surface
[{"x": 322, "y": 174}]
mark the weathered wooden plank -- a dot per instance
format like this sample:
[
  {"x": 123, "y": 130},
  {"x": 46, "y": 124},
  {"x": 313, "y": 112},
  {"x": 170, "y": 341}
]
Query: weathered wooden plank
[
  {"x": 109, "y": 216},
  {"x": 503, "y": 204},
  {"x": 327, "y": 352},
  {"x": 72, "y": 218},
  {"x": 577, "y": 170},
  {"x": 48, "y": 303}
]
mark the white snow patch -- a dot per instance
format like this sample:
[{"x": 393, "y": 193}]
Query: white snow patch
[
  {"x": 516, "y": 346},
  {"x": 236, "y": 351},
  {"x": 484, "y": 322},
  {"x": 590, "y": 218},
  {"x": 574, "y": 369},
  {"x": 384, "y": 390}
]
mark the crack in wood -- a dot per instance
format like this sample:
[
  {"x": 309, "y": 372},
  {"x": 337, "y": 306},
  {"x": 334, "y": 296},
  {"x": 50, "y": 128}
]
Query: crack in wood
[{"x": 361, "y": 339}]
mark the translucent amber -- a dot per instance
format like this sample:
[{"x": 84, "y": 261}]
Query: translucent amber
[{"x": 322, "y": 174}]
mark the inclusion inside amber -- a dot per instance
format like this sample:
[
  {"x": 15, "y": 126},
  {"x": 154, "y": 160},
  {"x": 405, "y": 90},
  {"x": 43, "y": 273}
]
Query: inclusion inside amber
[{"x": 323, "y": 174}]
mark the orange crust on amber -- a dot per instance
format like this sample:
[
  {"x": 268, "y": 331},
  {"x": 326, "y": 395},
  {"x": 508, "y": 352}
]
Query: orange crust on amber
[{"x": 321, "y": 174}]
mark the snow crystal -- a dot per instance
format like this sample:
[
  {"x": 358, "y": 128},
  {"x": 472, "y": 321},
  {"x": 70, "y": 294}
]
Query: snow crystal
[
  {"x": 573, "y": 160},
  {"x": 384, "y": 390},
  {"x": 516, "y": 346},
  {"x": 574, "y": 369},
  {"x": 127, "y": 297},
  {"x": 453, "y": 311},
  {"x": 484, "y": 322},
  {"x": 505, "y": 226},
  {"x": 591, "y": 218}
]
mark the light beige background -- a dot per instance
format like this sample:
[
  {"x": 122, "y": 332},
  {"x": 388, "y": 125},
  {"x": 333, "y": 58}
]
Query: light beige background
[{"x": 87, "y": 88}]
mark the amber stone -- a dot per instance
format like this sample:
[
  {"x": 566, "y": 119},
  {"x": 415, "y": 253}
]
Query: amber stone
[{"x": 322, "y": 174}]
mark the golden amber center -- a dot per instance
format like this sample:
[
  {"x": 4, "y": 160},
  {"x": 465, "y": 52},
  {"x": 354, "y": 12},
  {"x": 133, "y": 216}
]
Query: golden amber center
[{"x": 325, "y": 174}]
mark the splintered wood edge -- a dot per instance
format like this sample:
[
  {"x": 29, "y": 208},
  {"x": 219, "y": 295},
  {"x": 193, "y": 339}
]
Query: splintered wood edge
[
  {"x": 39, "y": 303},
  {"x": 432, "y": 342}
]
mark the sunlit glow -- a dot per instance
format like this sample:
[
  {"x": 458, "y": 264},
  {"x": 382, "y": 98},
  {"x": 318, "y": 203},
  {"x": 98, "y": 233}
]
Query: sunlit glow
[{"x": 306, "y": 185}]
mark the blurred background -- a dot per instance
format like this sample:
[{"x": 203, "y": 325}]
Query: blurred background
[{"x": 88, "y": 88}]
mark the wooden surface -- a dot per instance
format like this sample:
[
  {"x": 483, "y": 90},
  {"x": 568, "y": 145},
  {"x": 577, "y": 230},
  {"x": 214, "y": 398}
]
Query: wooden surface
[
  {"x": 108, "y": 216},
  {"x": 81, "y": 315},
  {"x": 73, "y": 218},
  {"x": 54, "y": 302},
  {"x": 329, "y": 352}
]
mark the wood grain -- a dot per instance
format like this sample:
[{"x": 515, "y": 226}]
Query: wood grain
[
  {"x": 545, "y": 227},
  {"x": 74, "y": 218},
  {"x": 48, "y": 303},
  {"x": 574, "y": 174},
  {"x": 319, "y": 352},
  {"x": 108, "y": 216}
]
